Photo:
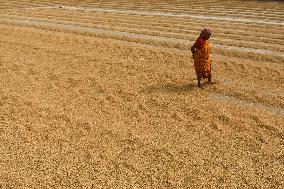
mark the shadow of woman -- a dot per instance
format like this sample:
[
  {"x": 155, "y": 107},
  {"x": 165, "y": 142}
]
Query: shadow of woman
[{"x": 169, "y": 87}]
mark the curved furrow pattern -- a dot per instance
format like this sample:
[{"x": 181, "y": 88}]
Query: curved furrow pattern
[
  {"x": 256, "y": 54},
  {"x": 275, "y": 15},
  {"x": 178, "y": 8},
  {"x": 177, "y": 23},
  {"x": 190, "y": 10},
  {"x": 154, "y": 31}
]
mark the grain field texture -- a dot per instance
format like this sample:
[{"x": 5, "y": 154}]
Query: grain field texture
[{"x": 103, "y": 94}]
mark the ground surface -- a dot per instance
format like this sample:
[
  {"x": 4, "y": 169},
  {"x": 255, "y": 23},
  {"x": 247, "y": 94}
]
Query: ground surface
[{"x": 102, "y": 94}]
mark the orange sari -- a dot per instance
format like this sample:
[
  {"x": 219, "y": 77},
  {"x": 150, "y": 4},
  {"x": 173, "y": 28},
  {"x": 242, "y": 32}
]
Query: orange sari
[{"x": 202, "y": 61}]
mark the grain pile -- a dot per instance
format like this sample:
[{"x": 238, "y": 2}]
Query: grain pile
[{"x": 102, "y": 94}]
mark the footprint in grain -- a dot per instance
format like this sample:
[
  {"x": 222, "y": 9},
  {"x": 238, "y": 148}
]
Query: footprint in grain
[{"x": 73, "y": 82}]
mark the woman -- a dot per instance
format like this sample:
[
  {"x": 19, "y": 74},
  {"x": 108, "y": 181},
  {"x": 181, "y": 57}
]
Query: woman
[{"x": 200, "y": 52}]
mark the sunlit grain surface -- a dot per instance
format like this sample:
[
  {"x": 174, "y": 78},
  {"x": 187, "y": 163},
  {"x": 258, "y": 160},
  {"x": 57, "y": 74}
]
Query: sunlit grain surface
[{"x": 102, "y": 94}]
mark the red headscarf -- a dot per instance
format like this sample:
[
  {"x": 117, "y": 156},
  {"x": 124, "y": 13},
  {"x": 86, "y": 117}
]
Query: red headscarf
[{"x": 206, "y": 31}]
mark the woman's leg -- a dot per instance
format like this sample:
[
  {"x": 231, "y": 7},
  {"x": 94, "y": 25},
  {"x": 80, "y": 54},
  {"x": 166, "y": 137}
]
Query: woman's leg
[
  {"x": 208, "y": 70},
  {"x": 209, "y": 77},
  {"x": 198, "y": 79}
]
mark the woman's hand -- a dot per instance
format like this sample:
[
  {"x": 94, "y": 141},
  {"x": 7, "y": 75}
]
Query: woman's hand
[{"x": 193, "y": 49}]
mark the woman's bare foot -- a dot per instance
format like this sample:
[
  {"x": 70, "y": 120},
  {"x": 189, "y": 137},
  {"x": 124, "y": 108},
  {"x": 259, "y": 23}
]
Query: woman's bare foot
[
  {"x": 199, "y": 85},
  {"x": 209, "y": 79}
]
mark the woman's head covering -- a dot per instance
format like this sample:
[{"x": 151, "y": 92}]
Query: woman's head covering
[{"x": 206, "y": 31}]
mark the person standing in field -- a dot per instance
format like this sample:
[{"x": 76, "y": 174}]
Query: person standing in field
[{"x": 201, "y": 54}]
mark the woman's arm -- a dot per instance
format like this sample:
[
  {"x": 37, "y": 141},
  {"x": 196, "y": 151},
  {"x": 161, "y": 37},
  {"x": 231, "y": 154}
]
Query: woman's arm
[{"x": 193, "y": 49}]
